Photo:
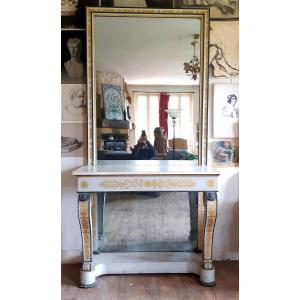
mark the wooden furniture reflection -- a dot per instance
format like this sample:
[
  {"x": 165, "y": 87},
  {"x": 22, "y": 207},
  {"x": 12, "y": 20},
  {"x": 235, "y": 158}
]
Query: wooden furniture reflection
[{"x": 180, "y": 144}]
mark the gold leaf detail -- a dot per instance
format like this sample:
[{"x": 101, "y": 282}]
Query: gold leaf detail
[
  {"x": 84, "y": 184},
  {"x": 210, "y": 183},
  {"x": 140, "y": 183}
]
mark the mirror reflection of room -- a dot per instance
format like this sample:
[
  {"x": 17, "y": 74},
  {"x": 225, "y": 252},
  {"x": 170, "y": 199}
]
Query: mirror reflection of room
[{"x": 147, "y": 88}]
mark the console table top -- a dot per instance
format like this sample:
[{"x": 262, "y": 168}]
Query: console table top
[{"x": 144, "y": 167}]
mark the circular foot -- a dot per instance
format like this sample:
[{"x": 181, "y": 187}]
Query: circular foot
[
  {"x": 87, "y": 279},
  {"x": 87, "y": 286},
  {"x": 207, "y": 277},
  {"x": 207, "y": 284}
]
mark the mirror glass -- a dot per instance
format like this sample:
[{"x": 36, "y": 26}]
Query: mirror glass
[{"x": 147, "y": 106}]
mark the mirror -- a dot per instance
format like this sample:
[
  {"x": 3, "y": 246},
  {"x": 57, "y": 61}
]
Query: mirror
[{"x": 147, "y": 84}]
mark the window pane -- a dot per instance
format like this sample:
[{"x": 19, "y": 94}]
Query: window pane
[
  {"x": 154, "y": 116},
  {"x": 140, "y": 116},
  {"x": 173, "y": 102}
]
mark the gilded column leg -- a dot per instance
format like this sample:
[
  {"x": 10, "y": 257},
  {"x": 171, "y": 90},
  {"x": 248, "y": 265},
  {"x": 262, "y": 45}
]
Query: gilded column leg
[
  {"x": 207, "y": 272},
  {"x": 95, "y": 223},
  {"x": 201, "y": 214},
  {"x": 87, "y": 275}
]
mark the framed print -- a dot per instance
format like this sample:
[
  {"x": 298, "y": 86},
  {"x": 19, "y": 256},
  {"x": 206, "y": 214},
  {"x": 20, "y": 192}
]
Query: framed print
[
  {"x": 74, "y": 105},
  {"x": 73, "y": 140},
  {"x": 73, "y": 57},
  {"x": 224, "y": 49},
  {"x": 219, "y": 9},
  {"x": 113, "y": 102},
  {"x": 226, "y": 111},
  {"x": 225, "y": 152}
]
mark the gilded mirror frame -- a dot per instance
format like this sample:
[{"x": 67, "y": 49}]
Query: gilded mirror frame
[{"x": 201, "y": 14}]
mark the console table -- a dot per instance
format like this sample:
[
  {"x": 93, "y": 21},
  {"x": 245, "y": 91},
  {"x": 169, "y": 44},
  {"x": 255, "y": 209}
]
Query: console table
[{"x": 145, "y": 176}]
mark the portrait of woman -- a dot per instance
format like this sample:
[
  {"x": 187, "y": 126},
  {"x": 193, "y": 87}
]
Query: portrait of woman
[
  {"x": 226, "y": 110},
  {"x": 73, "y": 103},
  {"x": 231, "y": 108}
]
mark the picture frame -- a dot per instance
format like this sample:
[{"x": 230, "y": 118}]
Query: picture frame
[
  {"x": 219, "y": 10},
  {"x": 74, "y": 103},
  {"x": 226, "y": 110},
  {"x": 73, "y": 56},
  {"x": 113, "y": 102},
  {"x": 224, "y": 49},
  {"x": 74, "y": 140},
  {"x": 225, "y": 153}
]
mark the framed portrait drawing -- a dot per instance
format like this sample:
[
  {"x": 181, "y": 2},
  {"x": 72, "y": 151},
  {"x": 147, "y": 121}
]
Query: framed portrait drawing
[
  {"x": 226, "y": 111},
  {"x": 74, "y": 105}
]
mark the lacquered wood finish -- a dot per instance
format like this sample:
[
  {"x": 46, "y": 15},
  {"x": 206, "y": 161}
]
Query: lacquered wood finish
[{"x": 120, "y": 176}]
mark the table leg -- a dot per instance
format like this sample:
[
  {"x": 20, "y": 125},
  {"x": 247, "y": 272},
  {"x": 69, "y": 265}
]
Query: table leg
[
  {"x": 207, "y": 272},
  {"x": 94, "y": 202},
  {"x": 87, "y": 275}
]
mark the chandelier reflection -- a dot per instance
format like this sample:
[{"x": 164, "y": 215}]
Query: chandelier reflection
[{"x": 192, "y": 68}]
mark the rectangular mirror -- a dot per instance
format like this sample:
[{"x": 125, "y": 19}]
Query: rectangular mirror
[{"x": 147, "y": 84}]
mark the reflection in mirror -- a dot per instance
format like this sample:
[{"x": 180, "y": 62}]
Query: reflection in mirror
[
  {"x": 147, "y": 106},
  {"x": 147, "y": 221}
]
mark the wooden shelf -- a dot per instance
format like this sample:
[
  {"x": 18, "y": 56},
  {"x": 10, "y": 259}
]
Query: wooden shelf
[{"x": 113, "y": 130}]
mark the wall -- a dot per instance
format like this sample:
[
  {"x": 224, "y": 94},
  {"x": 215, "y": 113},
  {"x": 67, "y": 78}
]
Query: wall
[
  {"x": 226, "y": 238},
  {"x": 226, "y": 231}
]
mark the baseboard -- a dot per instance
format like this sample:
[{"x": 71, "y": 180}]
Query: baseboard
[
  {"x": 219, "y": 254},
  {"x": 71, "y": 256}
]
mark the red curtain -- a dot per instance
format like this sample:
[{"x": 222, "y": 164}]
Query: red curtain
[{"x": 163, "y": 116}]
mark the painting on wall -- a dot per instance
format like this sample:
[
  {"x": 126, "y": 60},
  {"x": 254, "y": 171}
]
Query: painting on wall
[
  {"x": 74, "y": 104},
  {"x": 224, "y": 49},
  {"x": 226, "y": 110},
  {"x": 113, "y": 102},
  {"x": 73, "y": 140},
  {"x": 73, "y": 57},
  {"x": 219, "y": 9},
  {"x": 225, "y": 152}
]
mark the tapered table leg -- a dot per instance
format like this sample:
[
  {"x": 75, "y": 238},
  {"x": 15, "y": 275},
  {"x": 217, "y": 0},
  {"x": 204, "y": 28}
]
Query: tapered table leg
[
  {"x": 207, "y": 272},
  {"x": 201, "y": 214},
  {"x": 87, "y": 275}
]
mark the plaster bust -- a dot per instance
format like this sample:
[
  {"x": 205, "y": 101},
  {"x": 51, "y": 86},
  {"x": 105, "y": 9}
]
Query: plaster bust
[{"x": 74, "y": 66}]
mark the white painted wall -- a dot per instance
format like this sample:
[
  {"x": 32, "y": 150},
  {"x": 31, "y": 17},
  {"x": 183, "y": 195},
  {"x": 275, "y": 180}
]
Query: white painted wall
[
  {"x": 70, "y": 231},
  {"x": 226, "y": 238}
]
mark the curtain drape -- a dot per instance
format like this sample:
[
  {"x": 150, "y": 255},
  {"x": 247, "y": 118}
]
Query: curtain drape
[{"x": 163, "y": 116}]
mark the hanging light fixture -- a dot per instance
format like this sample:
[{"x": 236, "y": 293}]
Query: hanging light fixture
[{"x": 192, "y": 68}]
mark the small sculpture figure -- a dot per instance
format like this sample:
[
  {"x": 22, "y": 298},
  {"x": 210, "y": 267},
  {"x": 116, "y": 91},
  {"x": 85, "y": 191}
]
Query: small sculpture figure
[
  {"x": 68, "y": 7},
  {"x": 74, "y": 66},
  {"x": 160, "y": 142}
]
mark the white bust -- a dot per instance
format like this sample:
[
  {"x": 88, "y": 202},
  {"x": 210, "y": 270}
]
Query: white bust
[{"x": 74, "y": 66}]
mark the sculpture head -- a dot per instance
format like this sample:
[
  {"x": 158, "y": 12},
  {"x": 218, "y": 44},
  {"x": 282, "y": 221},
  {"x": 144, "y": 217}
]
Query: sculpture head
[
  {"x": 77, "y": 97},
  {"x": 75, "y": 46}
]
